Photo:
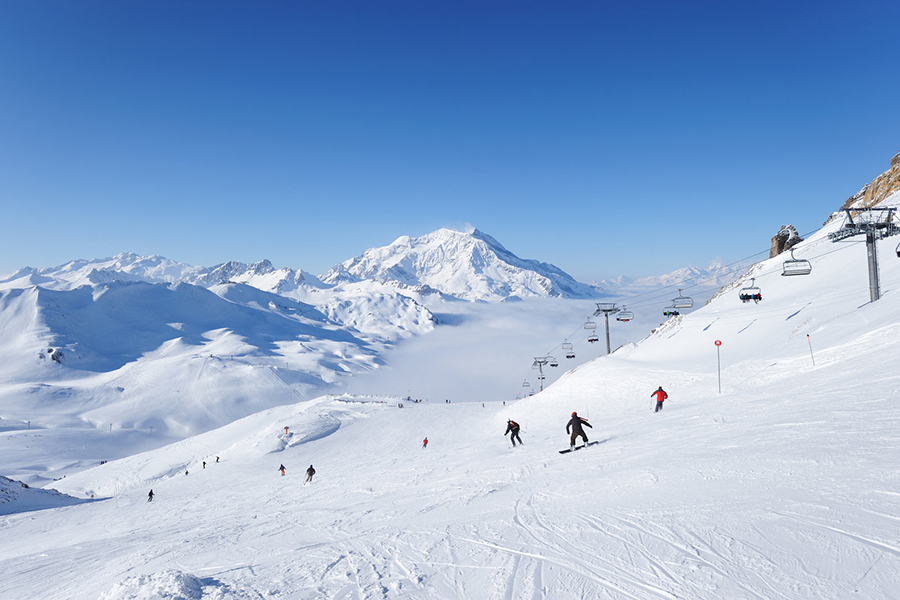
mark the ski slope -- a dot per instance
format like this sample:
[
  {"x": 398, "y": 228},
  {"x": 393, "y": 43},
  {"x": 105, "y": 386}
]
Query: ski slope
[{"x": 784, "y": 485}]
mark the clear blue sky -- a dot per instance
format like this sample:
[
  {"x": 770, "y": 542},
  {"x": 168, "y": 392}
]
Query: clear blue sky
[{"x": 605, "y": 137}]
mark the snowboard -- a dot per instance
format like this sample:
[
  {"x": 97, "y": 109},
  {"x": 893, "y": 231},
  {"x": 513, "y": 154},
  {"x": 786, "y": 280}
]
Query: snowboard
[{"x": 567, "y": 450}]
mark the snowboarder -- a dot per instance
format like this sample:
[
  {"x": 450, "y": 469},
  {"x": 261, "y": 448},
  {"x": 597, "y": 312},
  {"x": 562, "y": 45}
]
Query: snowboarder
[
  {"x": 660, "y": 398},
  {"x": 309, "y": 473},
  {"x": 281, "y": 468},
  {"x": 425, "y": 443},
  {"x": 512, "y": 426},
  {"x": 150, "y": 496},
  {"x": 575, "y": 424}
]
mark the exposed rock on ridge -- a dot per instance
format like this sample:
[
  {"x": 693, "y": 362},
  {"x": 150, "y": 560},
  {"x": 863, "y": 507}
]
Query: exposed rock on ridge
[
  {"x": 878, "y": 190},
  {"x": 786, "y": 238}
]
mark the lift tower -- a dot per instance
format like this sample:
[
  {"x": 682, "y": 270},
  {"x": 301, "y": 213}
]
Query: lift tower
[
  {"x": 606, "y": 309},
  {"x": 539, "y": 362},
  {"x": 875, "y": 223}
]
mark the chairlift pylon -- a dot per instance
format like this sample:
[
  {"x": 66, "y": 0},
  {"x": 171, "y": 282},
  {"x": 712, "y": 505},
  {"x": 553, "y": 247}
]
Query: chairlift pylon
[
  {"x": 750, "y": 293},
  {"x": 796, "y": 266},
  {"x": 682, "y": 301},
  {"x": 624, "y": 315}
]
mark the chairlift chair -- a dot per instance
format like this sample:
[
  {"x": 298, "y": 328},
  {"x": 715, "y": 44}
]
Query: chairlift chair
[
  {"x": 593, "y": 338},
  {"x": 590, "y": 325},
  {"x": 553, "y": 362},
  {"x": 526, "y": 384},
  {"x": 682, "y": 301},
  {"x": 796, "y": 266},
  {"x": 568, "y": 349},
  {"x": 624, "y": 315},
  {"x": 670, "y": 312},
  {"x": 750, "y": 293}
]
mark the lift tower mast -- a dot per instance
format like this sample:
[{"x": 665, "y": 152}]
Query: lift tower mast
[
  {"x": 875, "y": 223},
  {"x": 606, "y": 309}
]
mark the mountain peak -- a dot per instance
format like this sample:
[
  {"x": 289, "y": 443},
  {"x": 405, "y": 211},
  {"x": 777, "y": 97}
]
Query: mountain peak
[{"x": 470, "y": 266}]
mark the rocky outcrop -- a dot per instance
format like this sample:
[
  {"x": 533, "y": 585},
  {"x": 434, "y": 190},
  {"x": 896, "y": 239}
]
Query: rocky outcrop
[
  {"x": 881, "y": 187},
  {"x": 786, "y": 238}
]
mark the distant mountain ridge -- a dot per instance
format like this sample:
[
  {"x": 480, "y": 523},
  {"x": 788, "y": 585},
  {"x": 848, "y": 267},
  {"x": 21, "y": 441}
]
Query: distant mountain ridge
[{"x": 469, "y": 266}]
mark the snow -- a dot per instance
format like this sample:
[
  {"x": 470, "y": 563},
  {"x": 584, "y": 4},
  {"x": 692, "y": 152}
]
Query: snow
[{"x": 784, "y": 485}]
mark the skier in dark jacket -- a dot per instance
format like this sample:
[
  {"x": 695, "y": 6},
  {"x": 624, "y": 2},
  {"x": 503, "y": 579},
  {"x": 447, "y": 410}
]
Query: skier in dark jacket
[
  {"x": 150, "y": 496},
  {"x": 281, "y": 468},
  {"x": 309, "y": 473},
  {"x": 512, "y": 426},
  {"x": 660, "y": 398},
  {"x": 575, "y": 424}
]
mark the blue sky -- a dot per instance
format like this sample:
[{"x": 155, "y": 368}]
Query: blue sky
[{"x": 605, "y": 137}]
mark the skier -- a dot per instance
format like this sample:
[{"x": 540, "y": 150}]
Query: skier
[
  {"x": 512, "y": 426},
  {"x": 425, "y": 443},
  {"x": 281, "y": 468},
  {"x": 575, "y": 424},
  {"x": 309, "y": 473},
  {"x": 150, "y": 496},
  {"x": 217, "y": 459},
  {"x": 660, "y": 398},
  {"x": 204, "y": 464}
]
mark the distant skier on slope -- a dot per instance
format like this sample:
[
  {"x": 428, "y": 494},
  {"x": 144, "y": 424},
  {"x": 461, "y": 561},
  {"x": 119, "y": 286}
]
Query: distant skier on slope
[
  {"x": 425, "y": 443},
  {"x": 281, "y": 468},
  {"x": 309, "y": 473},
  {"x": 512, "y": 426},
  {"x": 575, "y": 424},
  {"x": 150, "y": 496},
  {"x": 660, "y": 398}
]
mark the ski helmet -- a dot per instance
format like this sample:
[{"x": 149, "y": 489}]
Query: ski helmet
[{"x": 574, "y": 414}]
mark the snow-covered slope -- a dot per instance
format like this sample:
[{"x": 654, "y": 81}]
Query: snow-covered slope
[
  {"x": 471, "y": 266},
  {"x": 784, "y": 485}
]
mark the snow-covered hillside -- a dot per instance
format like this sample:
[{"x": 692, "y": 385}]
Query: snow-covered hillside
[
  {"x": 784, "y": 485},
  {"x": 471, "y": 266}
]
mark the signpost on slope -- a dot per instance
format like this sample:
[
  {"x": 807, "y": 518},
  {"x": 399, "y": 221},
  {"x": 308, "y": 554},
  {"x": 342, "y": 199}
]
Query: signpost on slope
[
  {"x": 719, "y": 364},
  {"x": 810, "y": 350}
]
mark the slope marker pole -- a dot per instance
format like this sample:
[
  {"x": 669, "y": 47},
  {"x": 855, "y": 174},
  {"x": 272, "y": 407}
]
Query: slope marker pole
[{"x": 810, "y": 350}]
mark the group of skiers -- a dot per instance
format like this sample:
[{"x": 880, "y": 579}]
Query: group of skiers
[
  {"x": 309, "y": 472},
  {"x": 575, "y": 429},
  {"x": 575, "y": 426}
]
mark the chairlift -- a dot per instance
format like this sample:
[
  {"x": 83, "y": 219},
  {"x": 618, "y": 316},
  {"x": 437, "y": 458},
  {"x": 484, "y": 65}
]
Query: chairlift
[
  {"x": 796, "y": 266},
  {"x": 682, "y": 301},
  {"x": 568, "y": 349},
  {"x": 526, "y": 384},
  {"x": 750, "y": 293},
  {"x": 593, "y": 338},
  {"x": 553, "y": 362},
  {"x": 590, "y": 325},
  {"x": 624, "y": 315},
  {"x": 670, "y": 312}
]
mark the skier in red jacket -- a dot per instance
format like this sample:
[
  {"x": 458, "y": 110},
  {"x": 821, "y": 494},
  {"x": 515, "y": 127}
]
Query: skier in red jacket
[{"x": 660, "y": 397}]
